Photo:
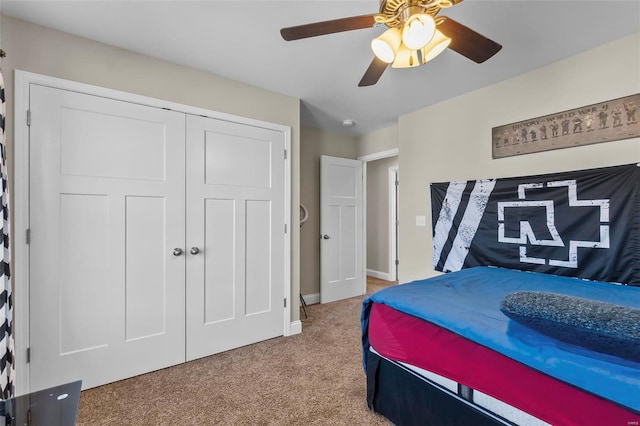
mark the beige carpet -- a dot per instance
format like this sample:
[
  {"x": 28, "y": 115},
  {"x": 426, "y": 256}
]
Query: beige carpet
[{"x": 314, "y": 378}]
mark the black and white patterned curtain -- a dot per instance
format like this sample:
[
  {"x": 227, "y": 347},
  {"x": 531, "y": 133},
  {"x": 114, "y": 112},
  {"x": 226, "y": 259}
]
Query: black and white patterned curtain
[{"x": 7, "y": 368}]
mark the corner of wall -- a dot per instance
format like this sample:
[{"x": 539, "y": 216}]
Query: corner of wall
[{"x": 378, "y": 141}]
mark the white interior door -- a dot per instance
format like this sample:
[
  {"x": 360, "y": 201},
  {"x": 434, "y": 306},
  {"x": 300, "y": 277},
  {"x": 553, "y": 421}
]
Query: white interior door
[
  {"x": 341, "y": 227},
  {"x": 106, "y": 211},
  {"x": 235, "y": 235}
]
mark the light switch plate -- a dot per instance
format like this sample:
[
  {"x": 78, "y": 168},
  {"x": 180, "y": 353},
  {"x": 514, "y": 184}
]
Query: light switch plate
[{"x": 421, "y": 221}]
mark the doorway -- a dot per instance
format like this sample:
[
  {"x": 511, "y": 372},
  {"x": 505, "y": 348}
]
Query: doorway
[
  {"x": 381, "y": 170},
  {"x": 394, "y": 222}
]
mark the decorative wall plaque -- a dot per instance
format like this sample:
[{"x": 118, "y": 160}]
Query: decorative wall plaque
[{"x": 603, "y": 122}]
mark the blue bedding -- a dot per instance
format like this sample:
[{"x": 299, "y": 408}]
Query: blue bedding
[{"x": 467, "y": 302}]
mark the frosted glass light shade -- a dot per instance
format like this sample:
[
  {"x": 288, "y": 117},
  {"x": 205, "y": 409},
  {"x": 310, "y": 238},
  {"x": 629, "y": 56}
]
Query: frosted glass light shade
[
  {"x": 438, "y": 43},
  {"x": 406, "y": 58},
  {"x": 418, "y": 30},
  {"x": 386, "y": 46}
]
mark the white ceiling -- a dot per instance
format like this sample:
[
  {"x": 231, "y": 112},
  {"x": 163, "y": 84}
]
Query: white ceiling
[{"x": 240, "y": 40}]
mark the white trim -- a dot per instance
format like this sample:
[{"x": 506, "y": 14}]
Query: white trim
[
  {"x": 289, "y": 329},
  {"x": 23, "y": 80},
  {"x": 380, "y": 275},
  {"x": 20, "y": 223},
  {"x": 58, "y": 83},
  {"x": 295, "y": 328},
  {"x": 393, "y": 173},
  {"x": 363, "y": 290},
  {"x": 311, "y": 299},
  {"x": 380, "y": 155}
]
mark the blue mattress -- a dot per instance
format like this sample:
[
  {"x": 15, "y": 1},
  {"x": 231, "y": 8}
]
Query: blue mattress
[{"x": 467, "y": 302}]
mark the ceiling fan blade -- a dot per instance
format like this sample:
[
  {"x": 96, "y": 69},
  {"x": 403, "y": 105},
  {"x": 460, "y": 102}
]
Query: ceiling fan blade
[
  {"x": 373, "y": 73},
  {"x": 327, "y": 27},
  {"x": 467, "y": 42}
]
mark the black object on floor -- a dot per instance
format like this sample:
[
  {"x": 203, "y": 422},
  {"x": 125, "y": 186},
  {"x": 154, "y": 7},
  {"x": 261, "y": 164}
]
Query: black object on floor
[
  {"x": 56, "y": 406},
  {"x": 304, "y": 306}
]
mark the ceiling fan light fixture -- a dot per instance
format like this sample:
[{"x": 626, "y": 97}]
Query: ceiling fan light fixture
[
  {"x": 406, "y": 58},
  {"x": 407, "y": 40},
  {"x": 418, "y": 31},
  {"x": 436, "y": 46},
  {"x": 386, "y": 46}
]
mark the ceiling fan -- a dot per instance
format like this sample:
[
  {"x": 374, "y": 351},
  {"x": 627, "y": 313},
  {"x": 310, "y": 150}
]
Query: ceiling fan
[{"x": 415, "y": 35}]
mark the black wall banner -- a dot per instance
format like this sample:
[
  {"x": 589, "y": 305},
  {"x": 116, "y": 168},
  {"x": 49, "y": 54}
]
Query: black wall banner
[{"x": 583, "y": 224}]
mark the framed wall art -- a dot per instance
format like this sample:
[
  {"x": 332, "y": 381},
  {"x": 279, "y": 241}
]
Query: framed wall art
[{"x": 603, "y": 122}]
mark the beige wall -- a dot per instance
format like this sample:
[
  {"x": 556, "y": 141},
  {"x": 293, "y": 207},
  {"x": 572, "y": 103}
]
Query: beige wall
[
  {"x": 452, "y": 140},
  {"x": 378, "y": 141},
  {"x": 378, "y": 214},
  {"x": 45, "y": 51},
  {"x": 313, "y": 144}
]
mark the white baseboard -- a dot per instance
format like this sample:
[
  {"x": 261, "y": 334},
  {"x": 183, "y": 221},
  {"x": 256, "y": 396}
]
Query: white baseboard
[
  {"x": 380, "y": 275},
  {"x": 311, "y": 299},
  {"x": 296, "y": 328}
]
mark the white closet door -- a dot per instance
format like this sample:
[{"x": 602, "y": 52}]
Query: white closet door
[
  {"x": 235, "y": 220},
  {"x": 107, "y": 209}
]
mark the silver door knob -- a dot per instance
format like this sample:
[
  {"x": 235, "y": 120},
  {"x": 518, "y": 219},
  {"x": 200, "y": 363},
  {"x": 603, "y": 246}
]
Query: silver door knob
[
  {"x": 325, "y": 236},
  {"x": 177, "y": 251},
  {"x": 195, "y": 250}
]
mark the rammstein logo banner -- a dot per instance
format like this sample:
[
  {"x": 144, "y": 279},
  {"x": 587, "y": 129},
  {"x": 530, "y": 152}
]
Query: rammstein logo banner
[{"x": 583, "y": 224}]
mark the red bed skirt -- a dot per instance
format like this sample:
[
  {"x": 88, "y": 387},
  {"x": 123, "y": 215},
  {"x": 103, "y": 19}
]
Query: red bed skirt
[{"x": 404, "y": 338}]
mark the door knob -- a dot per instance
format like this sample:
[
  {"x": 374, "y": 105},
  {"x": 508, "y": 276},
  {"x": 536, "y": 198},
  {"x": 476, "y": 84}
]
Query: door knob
[
  {"x": 325, "y": 236},
  {"x": 177, "y": 251},
  {"x": 195, "y": 250}
]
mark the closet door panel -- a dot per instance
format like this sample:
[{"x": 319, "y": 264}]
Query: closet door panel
[
  {"x": 237, "y": 277},
  {"x": 106, "y": 212},
  {"x": 219, "y": 261},
  {"x": 146, "y": 286}
]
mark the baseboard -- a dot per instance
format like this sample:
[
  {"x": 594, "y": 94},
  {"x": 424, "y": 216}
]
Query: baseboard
[
  {"x": 295, "y": 328},
  {"x": 380, "y": 275},
  {"x": 311, "y": 299}
]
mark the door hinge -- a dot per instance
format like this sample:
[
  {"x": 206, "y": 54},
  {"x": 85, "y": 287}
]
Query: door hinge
[
  {"x": 28, "y": 355},
  {"x": 28, "y": 117},
  {"x": 397, "y": 183},
  {"x": 285, "y": 302},
  {"x": 397, "y": 262},
  {"x": 28, "y": 236},
  {"x": 285, "y": 228},
  {"x": 285, "y": 154}
]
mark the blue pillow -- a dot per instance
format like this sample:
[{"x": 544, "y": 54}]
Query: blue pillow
[{"x": 599, "y": 326}]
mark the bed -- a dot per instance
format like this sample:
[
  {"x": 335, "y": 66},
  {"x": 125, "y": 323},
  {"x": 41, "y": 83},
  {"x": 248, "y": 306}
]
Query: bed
[
  {"x": 545, "y": 335},
  {"x": 440, "y": 351}
]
